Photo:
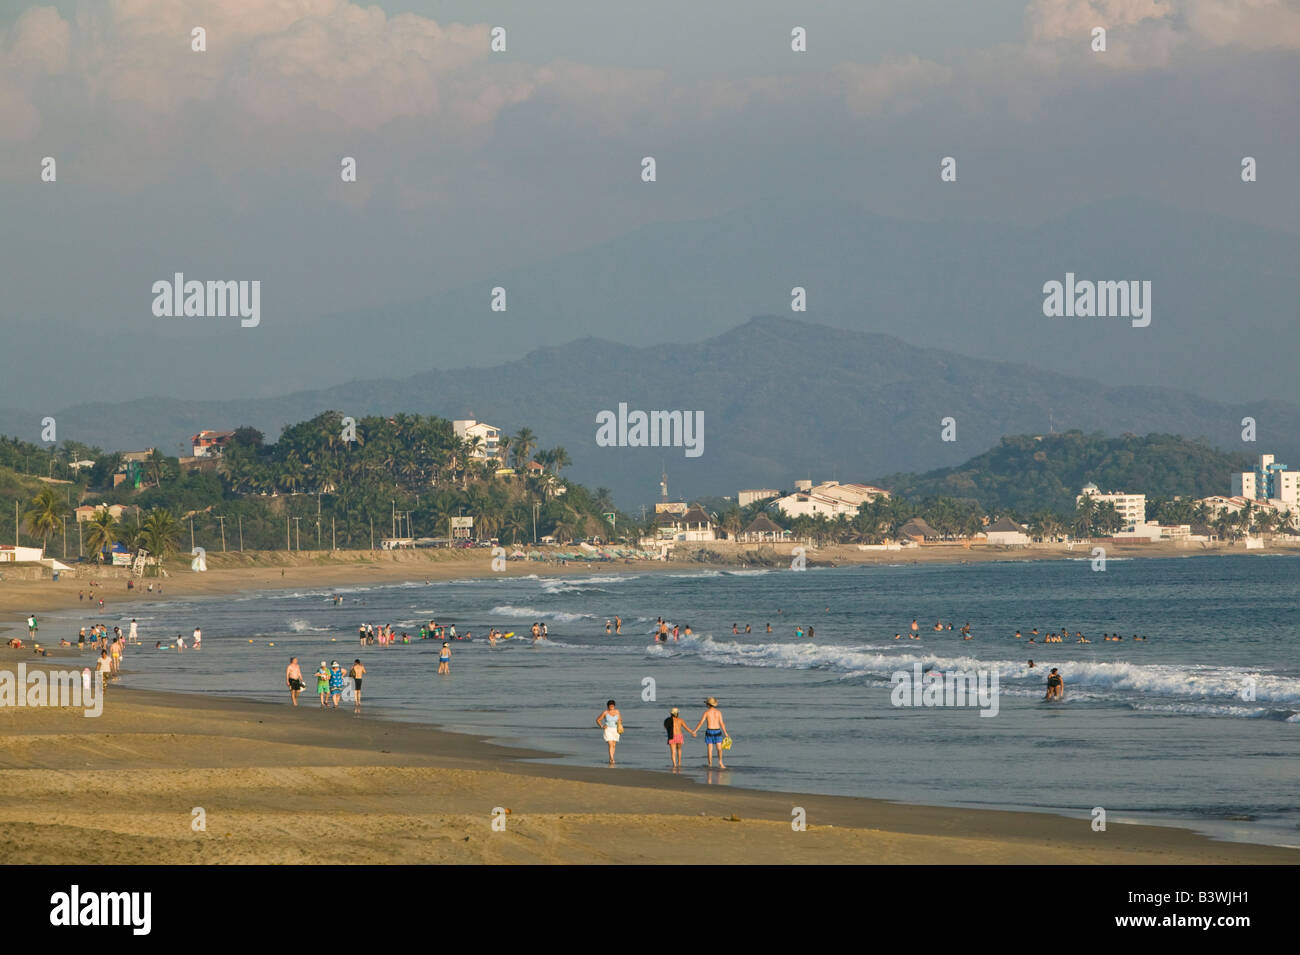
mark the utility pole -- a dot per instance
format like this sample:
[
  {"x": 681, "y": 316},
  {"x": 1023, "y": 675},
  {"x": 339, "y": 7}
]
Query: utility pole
[
  {"x": 287, "y": 545},
  {"x": 535, "y": 506},
  {"x": 191, "y": 533},
  {"x": 334, "y": 541},
  {"x": 222, "y": 519},
  {"x": 297, "y": 531},
  {"x": 79, "y": 544},
  {"x": 65, "y": 536},
  {"x": 241, "y": 533},
  {"x": 15, "y": 522},
  {"x": 318, "y": 520},
  {"x": 394, "y": 504},
  {"x": 372, "y": 533}
]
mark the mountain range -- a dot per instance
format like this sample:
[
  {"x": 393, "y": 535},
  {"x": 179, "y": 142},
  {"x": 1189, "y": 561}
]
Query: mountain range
[
  {"x": 1222, "y": 311},
  {"x": 781, "y": 400}
]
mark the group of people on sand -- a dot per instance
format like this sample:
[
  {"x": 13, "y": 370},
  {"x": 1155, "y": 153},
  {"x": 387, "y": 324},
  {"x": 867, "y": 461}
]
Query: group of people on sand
[
  {"x": 329, "y": 682},
  {"x": 610, "y": 721}
]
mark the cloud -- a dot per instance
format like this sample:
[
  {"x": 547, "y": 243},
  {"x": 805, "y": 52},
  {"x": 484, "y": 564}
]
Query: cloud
[
  {"x": 869, "y": 90},
  {"x": 296, "y": 84},
  {"x": 1075, "y": 19}
]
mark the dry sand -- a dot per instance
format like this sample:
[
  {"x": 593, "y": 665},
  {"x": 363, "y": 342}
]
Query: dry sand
[{"x": 305, "y": 786}]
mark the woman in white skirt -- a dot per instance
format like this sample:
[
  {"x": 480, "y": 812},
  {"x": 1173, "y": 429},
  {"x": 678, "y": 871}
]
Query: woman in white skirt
[{"x": 611, "y": 721}]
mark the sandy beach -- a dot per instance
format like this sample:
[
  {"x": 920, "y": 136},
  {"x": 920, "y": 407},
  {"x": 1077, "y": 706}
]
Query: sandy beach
[{"x": 278, "y": 785}]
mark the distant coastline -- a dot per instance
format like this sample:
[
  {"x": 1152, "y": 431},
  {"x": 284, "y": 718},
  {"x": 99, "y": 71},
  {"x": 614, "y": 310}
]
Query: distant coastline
[{"x": 235, "y": 573}]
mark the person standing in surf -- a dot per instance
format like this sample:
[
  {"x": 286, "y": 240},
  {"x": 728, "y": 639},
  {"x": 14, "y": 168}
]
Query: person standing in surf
[
  {"x": 715, "y": 732},
  {"x": 444, "y": 660},
  {"x": 1055, "y": 686},
  {"x": 611, "y": 721},
  {"x": 675, "y": 726},
  {"x": 357, "y": 672}
]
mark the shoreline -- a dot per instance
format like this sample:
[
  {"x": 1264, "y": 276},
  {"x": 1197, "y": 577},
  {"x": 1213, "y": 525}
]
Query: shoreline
[
  {"x": 507, "y": 757},
  {"x": 283, "y": 786},
  {"x": 276, "y": 570}
]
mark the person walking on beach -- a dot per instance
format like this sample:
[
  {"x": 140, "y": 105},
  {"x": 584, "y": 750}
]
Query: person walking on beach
[
  {"x": 293, "y": 679},
  {"x": 336, "y": 683},
  {"x": 115, "y": 654},
  {"x": 611, "y": 721},
  {"x": 135, "y": 631},
  {"x": 444, "y": 659},
  {"x": 675, "y": 726},
  {"x": 715, "y": 732},
  {"x": 357, "y": 672},
  {"x": 105, "y": 668},
  {"x": 32, "y": 626},
  {"x": 323, "y": 682}
]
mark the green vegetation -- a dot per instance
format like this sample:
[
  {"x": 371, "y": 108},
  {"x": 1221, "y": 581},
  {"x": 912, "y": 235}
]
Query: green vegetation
[
  {"x": 1035, "y": 480},
  {"x": 1027, "y": 474},
  {"x": 403, "y": 476}
]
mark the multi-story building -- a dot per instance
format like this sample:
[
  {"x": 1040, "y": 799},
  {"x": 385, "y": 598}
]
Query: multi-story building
[
  {"x": 489, "y": 437},
  {"x": 210, "y": 444},
  {"x": 829, "y": 498},
  {"x": 1132, "y": 508},
  {"x": 1270, "y": 481},
  {"x": 746, "y": 498}
]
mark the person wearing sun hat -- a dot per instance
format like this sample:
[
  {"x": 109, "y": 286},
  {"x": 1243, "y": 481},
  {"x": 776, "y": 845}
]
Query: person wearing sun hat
[
  {"x": 336, "y": 682},
  {"x": 323, "y": 682},
  {"x": 715, "y": 732}
]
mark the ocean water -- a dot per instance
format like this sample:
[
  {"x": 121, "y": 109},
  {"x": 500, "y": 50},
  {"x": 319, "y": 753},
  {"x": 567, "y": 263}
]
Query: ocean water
[{"x": 1155, "y": 731}]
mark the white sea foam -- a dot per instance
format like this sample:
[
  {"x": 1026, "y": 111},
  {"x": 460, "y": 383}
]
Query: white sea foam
[
  {"x": 527, "y": 613},
  {"x": 1213, "y": 686}
]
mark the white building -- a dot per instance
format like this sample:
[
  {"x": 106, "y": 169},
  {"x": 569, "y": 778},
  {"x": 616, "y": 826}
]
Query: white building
[
  {"x": 1268, "y": 482},
  {"x": 210, "y": 444},
  {"x": 1132, "y": 508},
  {"x": 830, "y": 498},
  {"x": 746, "y": 498},
  {"x": 11, "y": 554},
  {"x": 468, "y": 428},
  {"x": 694, "y": 525},
  {"x": 1004, "y": 532}
]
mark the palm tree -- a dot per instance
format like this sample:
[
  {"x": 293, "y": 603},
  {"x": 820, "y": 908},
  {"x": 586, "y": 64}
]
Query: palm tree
[
  {"x": 560, "y": 459},
  {"x": 159, "y": 534},
  {"x": 156, "y": 467},
  {"x": 1084, "y": 516},
  {"x": 46, "y": 515},
  {"x": 101, "y": 532},
  {"x": 524, "y": 442}
]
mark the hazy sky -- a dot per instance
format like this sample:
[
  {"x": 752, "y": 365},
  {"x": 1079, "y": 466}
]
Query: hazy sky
[{"x": 225, "y": 163}]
